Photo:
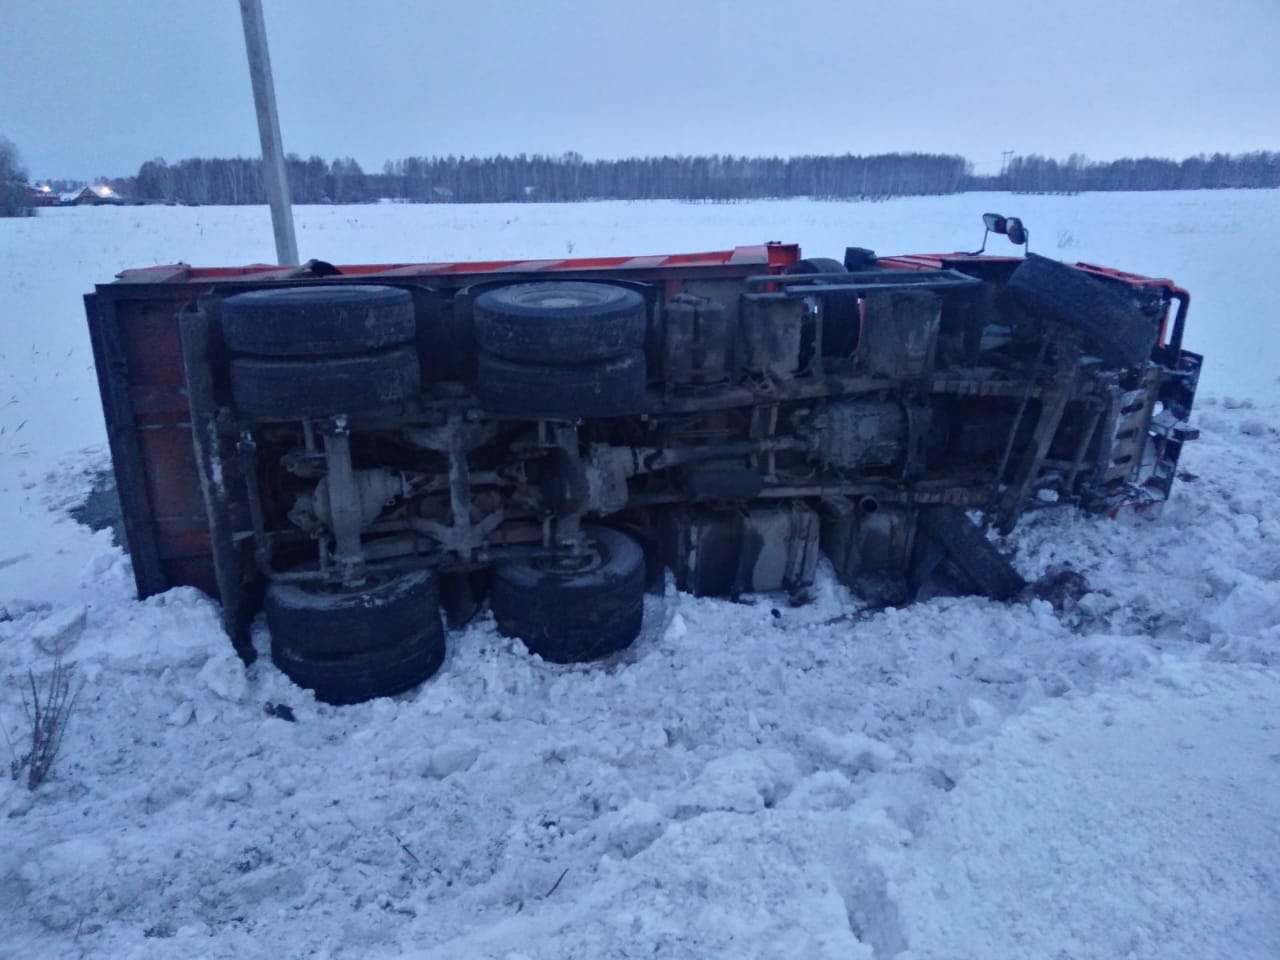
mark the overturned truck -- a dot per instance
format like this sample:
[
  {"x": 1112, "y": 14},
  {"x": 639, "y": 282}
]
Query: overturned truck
[{"x": 367, "y": 452}]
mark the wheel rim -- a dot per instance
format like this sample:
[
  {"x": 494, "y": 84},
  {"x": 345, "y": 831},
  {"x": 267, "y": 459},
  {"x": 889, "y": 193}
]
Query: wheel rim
[
  {"x": 554, "y": 296},
  {"x": 577, "y": 564},
  {"x": 325, "y": 586}
]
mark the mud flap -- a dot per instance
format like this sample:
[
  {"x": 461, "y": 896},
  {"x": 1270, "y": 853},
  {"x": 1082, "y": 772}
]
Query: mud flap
[{"x": 234, "y": 591}]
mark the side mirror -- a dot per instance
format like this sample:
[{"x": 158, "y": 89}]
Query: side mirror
[{"x": 1010, "y": 227}]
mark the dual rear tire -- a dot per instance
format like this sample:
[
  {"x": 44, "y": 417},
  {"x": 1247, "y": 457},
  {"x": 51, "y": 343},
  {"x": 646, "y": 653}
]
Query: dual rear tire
[
  {"x": 579, "y": 615},
  {"x": 319, "y": 351},
  {"x": 351, "y": 645},
  {"x": 564, "y": 349}
]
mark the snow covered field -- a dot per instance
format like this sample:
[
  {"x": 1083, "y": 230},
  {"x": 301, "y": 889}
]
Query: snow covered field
[{"x": 958, "y": 779}]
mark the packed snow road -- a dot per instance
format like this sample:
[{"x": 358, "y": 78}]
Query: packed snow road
[{"x": 1062, "y": 777}]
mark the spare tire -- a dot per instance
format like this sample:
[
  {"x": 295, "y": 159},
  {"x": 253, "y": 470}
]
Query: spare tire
[
  {"x": 1111, "y": 323},
  {"x": 560, "y": 322},
  {"x": 317, "y": 321}
]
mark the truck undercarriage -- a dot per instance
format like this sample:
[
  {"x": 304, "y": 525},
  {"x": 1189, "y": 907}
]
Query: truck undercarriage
[{"x": 355, "y": 449}]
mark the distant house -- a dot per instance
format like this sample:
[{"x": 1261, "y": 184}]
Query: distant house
[
  {"x": 95, "y": 194},
  {"x": 42, "y": 195}
]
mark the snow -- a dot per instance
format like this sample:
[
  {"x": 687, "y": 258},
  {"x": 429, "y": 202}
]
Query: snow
[{"x": 950, "y": 780}]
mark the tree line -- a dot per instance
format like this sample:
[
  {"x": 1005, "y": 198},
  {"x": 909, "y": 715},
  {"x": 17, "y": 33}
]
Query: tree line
[
  {"x": 1037, "y": 174},
  {"x": 555, "y": 179},
  {"x": 569, "y": 177}
]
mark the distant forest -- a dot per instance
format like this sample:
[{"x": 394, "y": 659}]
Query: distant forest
[{"x": 569, "y": 177}]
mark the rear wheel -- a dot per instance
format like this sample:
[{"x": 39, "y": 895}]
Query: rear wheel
[
  {"x": 317, "y": 321},
  {"x": 567, "y": 616},
  {"x": 364, "y": 676},
  {"x": 322, "y": 387},
  {"x": 607, "y": 388},
  {"x": 562, "y": 322},
  {"x": 350, "y": 645},
  {"x": 314, "y": 620}
]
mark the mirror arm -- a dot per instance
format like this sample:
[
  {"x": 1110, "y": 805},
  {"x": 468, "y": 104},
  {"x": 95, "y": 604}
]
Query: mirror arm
[{"x": 986, "y": 233}]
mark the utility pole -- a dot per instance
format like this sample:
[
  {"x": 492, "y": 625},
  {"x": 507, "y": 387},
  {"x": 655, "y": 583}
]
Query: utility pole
[{"x": 264, "y": 100}]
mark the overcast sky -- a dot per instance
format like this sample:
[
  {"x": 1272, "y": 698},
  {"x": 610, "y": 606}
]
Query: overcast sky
[{"x": 92, "y": 88}]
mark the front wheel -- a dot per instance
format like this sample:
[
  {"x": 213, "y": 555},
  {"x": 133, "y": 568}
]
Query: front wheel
[
  {"x": 1111, "y": 323},
  {"x": 574, "y": 615},
  {"x": 988, "y": 570}
]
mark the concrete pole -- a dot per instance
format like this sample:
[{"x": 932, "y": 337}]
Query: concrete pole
[{"x": 264, "y": 99}]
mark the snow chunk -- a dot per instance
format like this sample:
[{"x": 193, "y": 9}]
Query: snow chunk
[
  {"x": 225, "y": 677},
  {"x": 851, "y": 752},
  {"x": 453, "y": 757},
  {"x": 182, "y": 714},
  {"x": 1249, "y": 608},
  {"x": 634, "y": 828},
  {"x": 58, "y": 632},
  {"x": 742, "y": 781},
  {"x": 824, "y": 790},
  {"x": 979, "y": 715},
  {"x": 231, "y": 789},
  {"x": 678, "y": 629}
]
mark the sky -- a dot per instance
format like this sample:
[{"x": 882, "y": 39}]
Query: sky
[{"x": 96, "y": 88}]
